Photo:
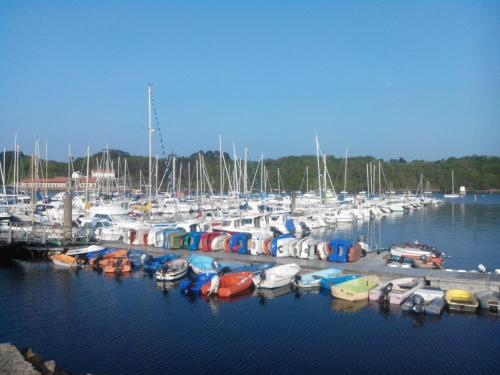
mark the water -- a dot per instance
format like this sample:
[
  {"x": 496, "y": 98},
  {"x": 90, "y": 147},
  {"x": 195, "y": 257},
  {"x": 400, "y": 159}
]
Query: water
[
  {"x": 469, "y": 233},
  {"x": 88, "y": 322}
]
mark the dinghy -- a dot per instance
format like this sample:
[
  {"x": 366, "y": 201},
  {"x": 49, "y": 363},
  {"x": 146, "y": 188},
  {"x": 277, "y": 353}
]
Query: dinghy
[
  {"x": 194, "y": 285},
  {"x": 429, "y": 293},
  {"x": 428, "y": 300},
  {"x": 488, "y": 300},
  {"x": 256, "y": 267},
  {"x": 355, "y": 290},
  {"x": 85, "y": 250},
  {"x": 101, "y": 258},
  {"x": 152, "y": 264},
  {"x": 117, "y": 265},
  {"x": 327, "y": 282},
  {"x": 137, "y": 257},
  {"x": 276, "y": 276},
  {"x": 228, "y": 285},
  {"x": 461, "y": 300},
  {"x": 172, "y": 270},
  {"x": 63, "y": 260},
  {"x": 313, "y": 279},
  {"x": 396, "y": 291},
  {"x": 203, "y": 264}
]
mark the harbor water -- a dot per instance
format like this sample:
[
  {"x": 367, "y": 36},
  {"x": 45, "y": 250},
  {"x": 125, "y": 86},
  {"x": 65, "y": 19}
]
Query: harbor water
[{"x": 88, "y": 322}]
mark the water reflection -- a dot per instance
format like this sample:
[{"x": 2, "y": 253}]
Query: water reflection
[
  {"x": 268, "y": 294},
  {"x": 340, "y": 305}
]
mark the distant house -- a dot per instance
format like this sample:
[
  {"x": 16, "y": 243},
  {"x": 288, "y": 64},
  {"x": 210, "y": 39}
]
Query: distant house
[
  {"x": 56, "y": 183},
  {"x": 103, "y": 173}
]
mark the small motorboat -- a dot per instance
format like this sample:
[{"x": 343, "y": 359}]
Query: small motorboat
[
  {"x": 203, "y": 264},
  {"x": 256, "y": 267},
  {"x": 228, "y": 285},
  {"x": 277, "y": 276},
  {"x": 105, "y": 254},
  {"x": 489, "y": 300},
  {"x": 356, "y": 289},
  {"x": 396, "y": 291},
  {"x": 172, "y": 270},
  {"x": 64, "y": 260},
  {"x": 326, "y": 283},
  {"x": 194, "y": 285},
  {"x": 313, "y": 279},
  {"x": 416, "y": 304},
  {"x": 461, "y": 300},
  {"x": 85, "y": 250},
  {"x": 117, "y": 265},
  {"x": 137, "y": 257},
  {"x": 429, "y": 293},
  {"x": 152, "y": 264},
  {"x": 424, "y": 254}
]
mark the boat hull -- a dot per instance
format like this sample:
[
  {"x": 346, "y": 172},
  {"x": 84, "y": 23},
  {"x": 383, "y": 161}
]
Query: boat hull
[{"x": 355, "y": 290}]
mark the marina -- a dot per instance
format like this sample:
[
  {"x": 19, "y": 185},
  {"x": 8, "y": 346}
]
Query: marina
[{"x": 249, "y": 187}]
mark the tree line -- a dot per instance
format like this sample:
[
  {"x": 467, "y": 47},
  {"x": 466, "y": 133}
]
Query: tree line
[{"x": 474, "y": 172}]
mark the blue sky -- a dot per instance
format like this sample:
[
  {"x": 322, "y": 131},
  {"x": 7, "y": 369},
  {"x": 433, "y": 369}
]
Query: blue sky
[{"x": 417, "y": 79}]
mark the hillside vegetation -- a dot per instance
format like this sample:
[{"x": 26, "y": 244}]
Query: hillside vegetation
[{"x": 474, "y": 172}]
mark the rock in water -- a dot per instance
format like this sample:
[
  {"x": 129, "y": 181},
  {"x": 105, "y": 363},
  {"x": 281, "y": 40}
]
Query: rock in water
[{"x": 13, "y": 363}]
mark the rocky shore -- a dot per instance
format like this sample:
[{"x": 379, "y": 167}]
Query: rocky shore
[{"x": 14, "y": 361}]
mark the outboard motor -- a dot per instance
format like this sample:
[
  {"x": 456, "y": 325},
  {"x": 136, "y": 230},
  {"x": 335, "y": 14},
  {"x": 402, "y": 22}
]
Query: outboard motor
[
  {"x": 418, "y": 306},
  {"x": 262, "y": 277},
  {"x": 276, "y": 232},
  {"x": 384, "y": 295},
  {"x": 296, "y": 279},
  {"x": 306, "y": 231}
]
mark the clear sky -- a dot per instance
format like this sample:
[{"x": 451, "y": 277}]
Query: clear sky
[{"x": 417, "y": 79}]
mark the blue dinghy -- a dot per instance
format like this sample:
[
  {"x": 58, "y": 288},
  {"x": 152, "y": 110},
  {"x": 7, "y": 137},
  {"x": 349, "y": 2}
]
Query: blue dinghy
[
  {"x": 203, "y": 264},
  {"x": 137, "y": 257},
  {"x": 326, "y": 283},
  {"x": 152, "y": 264},
  {"x": 257, "y": 267},
  {"x": 96, "y": 254},
  {"x": 194, "y": 285},
  {"x": 313, "y": 279}
]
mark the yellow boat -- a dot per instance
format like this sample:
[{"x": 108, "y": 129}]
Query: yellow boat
[
  {"x": 461, "y": 300},
  {"x": 356, "y": 289}
]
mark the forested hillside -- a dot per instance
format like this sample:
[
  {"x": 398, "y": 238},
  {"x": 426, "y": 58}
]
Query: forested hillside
[{"x": 474, "y": 172}]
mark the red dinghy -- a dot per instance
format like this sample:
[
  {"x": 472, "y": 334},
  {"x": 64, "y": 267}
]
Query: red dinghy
[{"x": 229, "y": 284}]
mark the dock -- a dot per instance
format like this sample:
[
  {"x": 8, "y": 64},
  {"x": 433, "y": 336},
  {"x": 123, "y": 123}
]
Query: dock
[{"x": 373, "y": 264}]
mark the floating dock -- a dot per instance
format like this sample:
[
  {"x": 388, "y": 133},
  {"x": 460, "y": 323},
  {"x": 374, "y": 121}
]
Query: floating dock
[{"x": 372, "y": 264}]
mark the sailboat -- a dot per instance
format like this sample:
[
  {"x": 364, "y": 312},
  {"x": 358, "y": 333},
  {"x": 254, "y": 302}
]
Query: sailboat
[{"x": 453, "y": 194}]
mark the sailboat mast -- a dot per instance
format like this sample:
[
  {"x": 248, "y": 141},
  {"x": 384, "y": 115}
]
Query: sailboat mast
[
  {"x": 150, "y": 133},
  {"x": 345, "y": 170},
  {"x": 452, "y": 183},
  {"x": 87, "y": 184},
  {"x": 221, "y": 173},
  {"x": 307, "y": 178},
  {"x": 46, "y": 170},
  {"x": 319, "y": 170}
]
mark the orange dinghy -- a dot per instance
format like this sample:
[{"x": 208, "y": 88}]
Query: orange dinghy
[
  {"x": 228, "y": 285},
  {"x": 116, "y": 265},
  {"x": 102, "y": 260}
]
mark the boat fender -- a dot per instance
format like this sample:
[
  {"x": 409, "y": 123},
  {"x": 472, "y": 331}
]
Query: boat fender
[{"x": 227, "y": 248}]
